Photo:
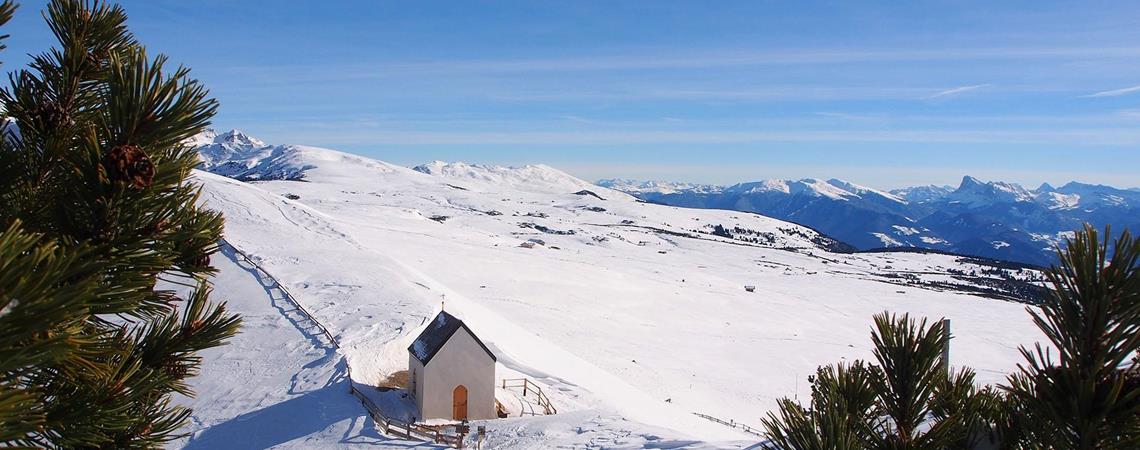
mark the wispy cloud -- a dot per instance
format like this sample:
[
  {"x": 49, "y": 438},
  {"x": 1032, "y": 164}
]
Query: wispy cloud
[
  {"x": 1116, "y": 92},
  {"x": 1131, "y": 114},
  {"x": 703, "y": 59},
  {"x": 852, "y": 117},
  {"x": 579, "y": 119},
  {"x": 1091, "y": 136},
  {"x": 956, "y": 91},
  {"x": 756, "y": 93}
]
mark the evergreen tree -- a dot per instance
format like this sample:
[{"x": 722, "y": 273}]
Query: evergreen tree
[
  {"x": 905, "y": 401},
  {"x": 97, "y": 207},
  {"x": 842, "y": 410},
  {"x": 1089, "y": 397}
]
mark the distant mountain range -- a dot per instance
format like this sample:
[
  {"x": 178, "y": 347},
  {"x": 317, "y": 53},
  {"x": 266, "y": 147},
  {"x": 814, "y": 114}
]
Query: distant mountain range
[{"x": 990, "y": 219}]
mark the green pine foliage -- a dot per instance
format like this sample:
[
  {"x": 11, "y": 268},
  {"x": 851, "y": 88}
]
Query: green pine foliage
[
  {"x": 96, "y": 208},
  {"x": 1088, "y": 397},
  {"x": 840, "y": 416},
  {"x": 905, "y": 400}
]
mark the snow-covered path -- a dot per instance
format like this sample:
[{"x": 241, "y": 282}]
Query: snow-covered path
[{"x": 279, "y": 383}]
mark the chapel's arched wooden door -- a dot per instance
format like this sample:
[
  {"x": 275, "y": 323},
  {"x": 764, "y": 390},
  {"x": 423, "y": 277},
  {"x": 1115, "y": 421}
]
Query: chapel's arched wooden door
[{"x": 459, "y": 403}]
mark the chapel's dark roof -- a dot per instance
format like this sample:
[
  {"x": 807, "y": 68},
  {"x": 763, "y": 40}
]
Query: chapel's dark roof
[{"x": 437, "y": 333}]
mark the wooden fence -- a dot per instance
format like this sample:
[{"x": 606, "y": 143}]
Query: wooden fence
[
  {"x": 390, "y": 426},
  {"x": 731, "y": 423},
  {"x": 527, "y": 387},
  {"x": 288, "y": 295},
  {"x": 407, "y": 430}
]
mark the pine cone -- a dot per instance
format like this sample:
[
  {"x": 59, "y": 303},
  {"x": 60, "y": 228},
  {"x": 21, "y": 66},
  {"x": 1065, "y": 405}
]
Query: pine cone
[
  {"x": 157, "y": 227},
  {"x": 129, "y": 164},
  {"x": 96, "y": 57},
  {"x": 191, "y": 328},
  {"x": 203, "y": 260},
  {"x": 176, "y": 370},
  {"x": 192, "y": 262},
  {"x": 51, "y": 116}
]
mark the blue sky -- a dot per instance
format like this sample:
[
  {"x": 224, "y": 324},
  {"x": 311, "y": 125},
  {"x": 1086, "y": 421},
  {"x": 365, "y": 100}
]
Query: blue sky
[{"x": 880, "y": 93}]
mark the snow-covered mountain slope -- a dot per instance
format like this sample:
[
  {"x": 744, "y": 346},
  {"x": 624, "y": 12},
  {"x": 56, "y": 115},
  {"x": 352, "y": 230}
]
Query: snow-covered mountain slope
[
  {"x": 973, "y": 193},
  {"x": 630, "y": 315},
  {"x": 861, "y": 216},
  {"x": 659, "y": 187},
  {"x": 537, "y": 178},
  {"x": 277, "y": 384},
  {"x": 989, "y": 219},
  {"x": 237, "y": 155},
  {"x": 922, "y": 194},
  {"x": 864, "y": 191}
]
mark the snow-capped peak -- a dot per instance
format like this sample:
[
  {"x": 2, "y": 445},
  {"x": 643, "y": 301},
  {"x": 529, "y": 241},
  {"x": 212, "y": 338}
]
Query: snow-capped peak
[
  {"x": 969, "y": 182},
  {"x": 975, "y": 193},
  {"x": 863, "y": 190},
  {"x": 206, "y": 137},
  {"x": 1057, "y": 200},
  {"x": 530, "y": 177},
  {"x": 658, "y": 187},
  {"x": 820, "y": 188},
  {"x": 833, "y": 189},
  {"x": 490, "y": 172},
  {"x": 772, "y": 185},
  {"x": 236, "y": 137},
  {"x": 233, "y": 139},
  {"x": 923, "y": 194},
  {"x": 1096, "y": 195},
  {"x": 238, "y": 155}
]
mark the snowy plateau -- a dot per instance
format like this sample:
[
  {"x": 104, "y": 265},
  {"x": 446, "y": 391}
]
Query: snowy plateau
[{"x": 631, "y": 316}]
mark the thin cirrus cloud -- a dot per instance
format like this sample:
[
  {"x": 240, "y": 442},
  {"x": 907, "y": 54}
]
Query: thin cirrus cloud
[
  {"x": 707, "y": 59},
  {"x": 1116, "y": 92},
  {"x": 758, "y": 93},
  {"x": 692, "y": 60},
  {"x": 1095, "y": 136},
  {"x": 956, "y": 91}
]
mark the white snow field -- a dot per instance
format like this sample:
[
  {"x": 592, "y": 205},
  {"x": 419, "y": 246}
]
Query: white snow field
[
  {"x": 631, "y": 316},
  {"x": 278, "y": 383}
]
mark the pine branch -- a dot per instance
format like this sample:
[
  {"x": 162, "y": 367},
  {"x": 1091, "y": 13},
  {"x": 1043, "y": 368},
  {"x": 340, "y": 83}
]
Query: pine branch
[{"x": 96, "y": 176}]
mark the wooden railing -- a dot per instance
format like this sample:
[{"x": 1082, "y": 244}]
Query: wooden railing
[
  {"x": 407, "y": 430},
  {"x": 528, "y": 387},
  {"x": 288, "y": 295},
  {"x": 731, "y": 423},
  {"x": 390, "y": 426}
]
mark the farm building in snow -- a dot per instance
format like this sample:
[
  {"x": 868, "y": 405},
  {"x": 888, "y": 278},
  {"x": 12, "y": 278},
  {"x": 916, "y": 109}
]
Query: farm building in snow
[{"x": 452, "y": 374}]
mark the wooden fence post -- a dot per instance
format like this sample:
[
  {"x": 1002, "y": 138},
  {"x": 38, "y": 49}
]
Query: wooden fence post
[{"x": 946, "y": 345}]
